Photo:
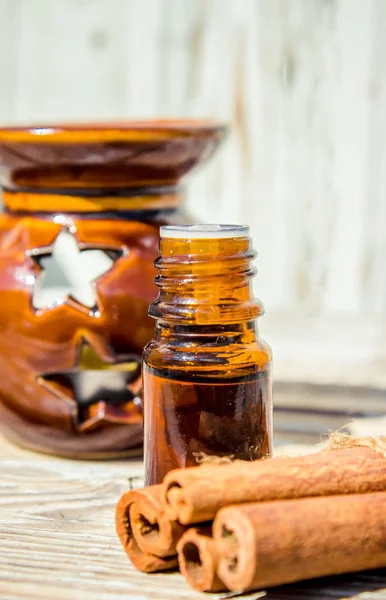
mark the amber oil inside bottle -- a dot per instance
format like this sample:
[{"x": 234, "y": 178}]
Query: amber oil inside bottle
[{"x": 206, "y": 373}]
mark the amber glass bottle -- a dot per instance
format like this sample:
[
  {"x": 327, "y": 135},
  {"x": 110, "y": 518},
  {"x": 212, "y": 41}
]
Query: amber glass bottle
[{"x": 206, "y": 373}]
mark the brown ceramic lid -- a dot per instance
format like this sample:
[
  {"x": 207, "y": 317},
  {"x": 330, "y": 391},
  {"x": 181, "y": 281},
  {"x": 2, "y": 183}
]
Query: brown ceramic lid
[{"x": 105, "y": 155}]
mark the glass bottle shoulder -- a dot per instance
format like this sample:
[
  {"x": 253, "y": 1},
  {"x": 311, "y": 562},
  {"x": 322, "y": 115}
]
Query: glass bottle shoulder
[{"x": 218, "y": 356}]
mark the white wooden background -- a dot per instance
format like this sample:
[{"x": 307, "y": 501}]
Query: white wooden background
[{"x": 303, "y": 83}]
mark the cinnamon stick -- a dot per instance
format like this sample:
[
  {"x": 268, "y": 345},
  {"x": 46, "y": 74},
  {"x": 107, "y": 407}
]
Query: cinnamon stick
[
  {"x": 273, "y": 543},
  {"x": 198, "y": 558},
  {"x": 148, "y": 537},
  {"x": 195, "y": 494}
]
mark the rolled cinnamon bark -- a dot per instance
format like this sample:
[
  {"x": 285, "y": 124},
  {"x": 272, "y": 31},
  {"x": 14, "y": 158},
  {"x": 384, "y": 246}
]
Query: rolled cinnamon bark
[
  {"x": 272, "y": 543},
  {"x": 147, "y": 535},
  {"x": 198, "y": 558},
  {"x": 195, "y": 495}
]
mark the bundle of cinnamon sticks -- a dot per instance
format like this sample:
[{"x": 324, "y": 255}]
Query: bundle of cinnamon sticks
[{"x": 249, "y": 525}]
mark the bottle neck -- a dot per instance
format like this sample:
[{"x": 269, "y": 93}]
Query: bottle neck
[{"x": 205, "y": 283}]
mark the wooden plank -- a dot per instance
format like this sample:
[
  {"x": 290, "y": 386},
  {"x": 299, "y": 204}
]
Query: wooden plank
[
  {"x": 9, "y": 39},
  {"x": 70, "y": 61},
  {"x": 140, "y": 69},
  {"x": 373, "y": 283},
  {"x": 351, "y": 128}
]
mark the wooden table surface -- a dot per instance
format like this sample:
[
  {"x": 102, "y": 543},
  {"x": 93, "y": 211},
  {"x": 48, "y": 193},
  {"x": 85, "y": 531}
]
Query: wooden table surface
[{"x": 57, "y": 538}]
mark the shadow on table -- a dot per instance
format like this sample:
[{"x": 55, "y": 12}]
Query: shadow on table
[{"x": 326, "y": 588}]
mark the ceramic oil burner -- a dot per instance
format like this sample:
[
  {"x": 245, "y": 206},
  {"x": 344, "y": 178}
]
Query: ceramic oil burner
[{"x": 78, "y": 237}]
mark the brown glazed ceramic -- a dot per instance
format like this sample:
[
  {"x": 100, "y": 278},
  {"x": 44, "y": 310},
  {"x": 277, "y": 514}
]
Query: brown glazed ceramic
[{"x": 83, "y": 206}]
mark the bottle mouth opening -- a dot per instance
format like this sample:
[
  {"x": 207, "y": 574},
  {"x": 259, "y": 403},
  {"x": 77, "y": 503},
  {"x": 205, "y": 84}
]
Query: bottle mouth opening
[{"x": 198, "y": 231}]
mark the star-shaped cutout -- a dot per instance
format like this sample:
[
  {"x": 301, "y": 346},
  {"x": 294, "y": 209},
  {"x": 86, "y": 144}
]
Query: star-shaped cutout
[
  {"x": 68, "y": 272},
  {"x": 99, "y": 391}
]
